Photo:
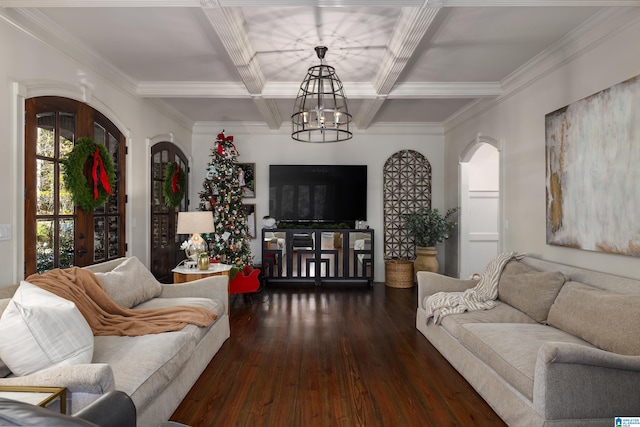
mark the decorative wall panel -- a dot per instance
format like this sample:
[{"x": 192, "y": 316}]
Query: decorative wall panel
[{"x": 407, "y": 187}]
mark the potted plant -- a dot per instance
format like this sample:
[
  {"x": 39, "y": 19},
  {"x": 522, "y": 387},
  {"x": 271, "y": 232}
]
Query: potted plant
[{"x": 428, "y": 227}]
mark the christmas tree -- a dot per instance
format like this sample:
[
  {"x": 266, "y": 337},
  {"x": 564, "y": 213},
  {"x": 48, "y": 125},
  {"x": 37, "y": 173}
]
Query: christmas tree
[{"x": 222, "y": 194}]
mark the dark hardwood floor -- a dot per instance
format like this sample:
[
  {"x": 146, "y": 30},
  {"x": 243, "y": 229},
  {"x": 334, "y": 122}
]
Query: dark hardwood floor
[{"x": 340, "y": 355}]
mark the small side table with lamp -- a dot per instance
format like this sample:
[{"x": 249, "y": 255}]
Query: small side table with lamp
[{"x": 195, "y": 223}]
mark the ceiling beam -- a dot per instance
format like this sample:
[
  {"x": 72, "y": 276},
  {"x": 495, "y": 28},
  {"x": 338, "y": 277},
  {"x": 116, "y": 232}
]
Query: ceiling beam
[
  {"x": 230, "y": 25},
  {"x": 315, "y": 3},
  {"x": 288, "y": 90},
  {"x": 410, "y": 28}
]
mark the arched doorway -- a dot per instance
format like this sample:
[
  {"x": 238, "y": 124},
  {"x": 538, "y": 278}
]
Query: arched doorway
[
  {"x": 480, "y": 205},
  {"x": 165, "y": 247}
]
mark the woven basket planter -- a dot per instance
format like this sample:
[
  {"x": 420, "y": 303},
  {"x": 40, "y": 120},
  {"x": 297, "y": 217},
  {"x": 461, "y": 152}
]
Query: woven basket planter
[{"x": 398, "y": 273}]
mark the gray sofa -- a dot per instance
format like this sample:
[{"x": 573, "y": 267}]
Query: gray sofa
[
  {"x": 561, "y": 348},
  {"x": 156, "y": 370}
]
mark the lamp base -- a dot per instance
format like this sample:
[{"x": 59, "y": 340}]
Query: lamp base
[{"x": 195, "y": 246}]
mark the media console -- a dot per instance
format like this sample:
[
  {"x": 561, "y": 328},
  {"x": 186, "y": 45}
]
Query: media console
[{"x": 317, "y": 255}]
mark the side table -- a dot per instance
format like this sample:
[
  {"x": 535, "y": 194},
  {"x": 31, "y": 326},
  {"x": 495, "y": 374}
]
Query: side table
[
  {"x": 182, "y": 274},
  {"x": 39, "y": 396}
]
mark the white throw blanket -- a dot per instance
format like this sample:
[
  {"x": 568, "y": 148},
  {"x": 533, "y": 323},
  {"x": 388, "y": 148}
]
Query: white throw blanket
[{"x": 480, "y": 297}]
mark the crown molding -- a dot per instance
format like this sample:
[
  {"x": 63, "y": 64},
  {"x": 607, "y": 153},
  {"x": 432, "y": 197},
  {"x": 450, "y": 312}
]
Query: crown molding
[
  {"x": 171, "y": 112},
  {"x": 40, "y": 27},
  {"x": 398, "y": 128},
  {"x": 578, "y": 42},
  {"x": 314, "y": 3},
  {"x": 205, "y": 128},
  {"x": 187, "y": 89},
  {"x": 534, "y": 3},
  {"x": 288, "y": 90},
  {"x": 434, "y": 90},
  {"x": 211, "y": 4}
]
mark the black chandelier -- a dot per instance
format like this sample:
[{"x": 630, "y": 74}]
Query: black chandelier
[{"x": 320, "y": 113}]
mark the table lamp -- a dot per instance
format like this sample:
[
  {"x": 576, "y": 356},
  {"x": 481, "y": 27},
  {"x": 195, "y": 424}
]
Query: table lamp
[{"x": 195, "y": 223}]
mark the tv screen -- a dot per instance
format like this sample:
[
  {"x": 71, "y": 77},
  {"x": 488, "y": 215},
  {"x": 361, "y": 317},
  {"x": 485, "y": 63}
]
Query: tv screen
[{"x": 318, "y": 193}]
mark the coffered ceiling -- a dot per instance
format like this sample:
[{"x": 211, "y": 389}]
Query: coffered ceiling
[{"x": 403, "y": 61}]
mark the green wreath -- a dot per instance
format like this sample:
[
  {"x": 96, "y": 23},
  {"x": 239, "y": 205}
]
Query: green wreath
[
  {"x": 88, "y": 195},
  {"x": 173, "y": 185}
]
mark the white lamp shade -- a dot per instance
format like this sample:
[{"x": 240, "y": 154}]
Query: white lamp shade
[{"x": 195, "y": 222}]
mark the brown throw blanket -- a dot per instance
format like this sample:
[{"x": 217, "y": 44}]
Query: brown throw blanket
[{"x": 105, "y": 317}]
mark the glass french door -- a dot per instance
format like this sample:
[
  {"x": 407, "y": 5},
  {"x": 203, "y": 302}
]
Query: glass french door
[
  {"x": 57, "y": 234},
  {"x": 165, "y": 245}
]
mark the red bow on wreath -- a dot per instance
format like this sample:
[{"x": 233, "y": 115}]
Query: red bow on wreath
[
  {"x": 174, "y": 180},
  {"x": 104, "y": 178}
]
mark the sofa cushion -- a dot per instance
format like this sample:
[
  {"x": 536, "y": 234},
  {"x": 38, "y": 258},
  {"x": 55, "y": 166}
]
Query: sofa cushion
[
  {"x": 529, "y": 290},
  {"x": 511, "y": 349},
  {"x": 143, "y": 366},
  {"x": 606, "y": 319},
  {"x": 40, "y": 330},
  {"x": 210, "y": 304},
  {"x": 130, "y": 283},
  {"x": 501, "y": 313}
]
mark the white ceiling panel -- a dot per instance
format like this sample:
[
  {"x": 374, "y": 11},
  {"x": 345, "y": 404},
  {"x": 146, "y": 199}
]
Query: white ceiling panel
[{"x": 237, "y": 60}]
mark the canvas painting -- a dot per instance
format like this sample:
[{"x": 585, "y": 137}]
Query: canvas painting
[{"x": 593, "y": 172}]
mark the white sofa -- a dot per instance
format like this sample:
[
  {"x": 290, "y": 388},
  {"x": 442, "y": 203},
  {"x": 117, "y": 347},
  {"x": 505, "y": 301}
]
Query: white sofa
[
  {"x": 561, "y": 348},
  {"x": 156, "y": 370}
]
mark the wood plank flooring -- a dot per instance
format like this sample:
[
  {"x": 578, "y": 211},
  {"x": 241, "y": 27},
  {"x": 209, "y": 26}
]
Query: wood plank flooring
[{"x": 340, "y": 355}]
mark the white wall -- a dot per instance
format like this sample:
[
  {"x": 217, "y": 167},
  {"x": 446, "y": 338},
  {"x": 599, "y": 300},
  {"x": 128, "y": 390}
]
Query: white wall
[
  {"x": 30, "y": 66},
  {"x": 372, "y": 147},
  {"x": 518, "y": 120}
]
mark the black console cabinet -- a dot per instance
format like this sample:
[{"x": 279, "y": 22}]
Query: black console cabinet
[{"x": 317, "y": 255}]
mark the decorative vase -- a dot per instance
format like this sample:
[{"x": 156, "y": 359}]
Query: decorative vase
[
  {"x": 203, "y": 263},
  {"x": 426, "y": 259}
]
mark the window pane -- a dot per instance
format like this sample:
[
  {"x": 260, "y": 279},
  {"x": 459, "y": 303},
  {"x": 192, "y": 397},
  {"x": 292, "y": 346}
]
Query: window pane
[
  {"x": 44, "y": 189},
  {"x": 45, "y": 144},
  {"x": 66, "y": 243},
  {"x": 66, "y": 203},
  {"x": 99, "y": 134},
  {"x": 98, "y": 239},
  {"x": 113, "y": 237},
  {"x": 157, "y": 166},
  {"x": 156, "y": 197},
  {"x": 113, "y": 150},
  {"x": 67, "y": 132},
  {"x": 44, "y": 245}
]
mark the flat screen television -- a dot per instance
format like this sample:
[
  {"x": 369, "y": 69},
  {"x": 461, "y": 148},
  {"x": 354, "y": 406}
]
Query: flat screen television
[{"x": 331, "y": 194}]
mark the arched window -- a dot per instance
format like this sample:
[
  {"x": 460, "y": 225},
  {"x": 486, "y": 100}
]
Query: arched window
[{"x": 57, "y": 234}]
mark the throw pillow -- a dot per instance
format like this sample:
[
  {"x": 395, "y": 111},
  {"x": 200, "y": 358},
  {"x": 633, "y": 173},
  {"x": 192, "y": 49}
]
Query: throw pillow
[
  {"x": 530, "y": 291},
  {"x": 130, "y": 283},
  {"x": 40, "y": 330},
  {"x": 4, "y": 370},
  {"x": 608, "y": 320}
]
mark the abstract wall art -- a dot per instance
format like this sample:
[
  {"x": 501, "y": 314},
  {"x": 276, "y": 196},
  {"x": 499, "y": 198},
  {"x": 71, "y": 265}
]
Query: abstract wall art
[{"x": 593, "y": 171}]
